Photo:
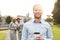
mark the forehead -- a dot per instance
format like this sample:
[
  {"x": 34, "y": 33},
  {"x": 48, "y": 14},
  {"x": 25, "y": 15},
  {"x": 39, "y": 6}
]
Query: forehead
[{"x": 37, "y": 7}]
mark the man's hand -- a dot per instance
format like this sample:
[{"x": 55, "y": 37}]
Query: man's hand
[{"x": 39, "y": 38}]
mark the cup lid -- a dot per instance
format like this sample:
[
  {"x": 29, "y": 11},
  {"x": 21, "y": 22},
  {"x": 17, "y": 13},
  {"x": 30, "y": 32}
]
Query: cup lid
[{"x": 36, "y": 33}]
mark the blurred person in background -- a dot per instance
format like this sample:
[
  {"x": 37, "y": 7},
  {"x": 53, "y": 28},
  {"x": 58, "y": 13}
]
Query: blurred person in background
[
  {"x": 13, "y": 28},
  {"x": 19, "y": 28}
]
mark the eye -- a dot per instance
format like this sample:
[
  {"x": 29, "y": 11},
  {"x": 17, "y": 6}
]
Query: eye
[{"x": 35, "y": 10}]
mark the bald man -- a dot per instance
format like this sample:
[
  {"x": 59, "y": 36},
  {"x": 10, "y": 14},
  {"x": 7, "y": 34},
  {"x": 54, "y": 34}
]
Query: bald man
[{"x": 37, "y": 29}]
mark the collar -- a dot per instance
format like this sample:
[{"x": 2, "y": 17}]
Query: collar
[{"x": 37, "y": 22}]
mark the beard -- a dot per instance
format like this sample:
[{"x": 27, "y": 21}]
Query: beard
[{"x": 37, "y": 17}]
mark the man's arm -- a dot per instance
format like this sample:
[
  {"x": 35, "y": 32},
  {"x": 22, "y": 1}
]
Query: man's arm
[
  {"x": 24, "y": 33},
  {"x": 10, "y": 26},
  {"x": 49, "y": 33}
]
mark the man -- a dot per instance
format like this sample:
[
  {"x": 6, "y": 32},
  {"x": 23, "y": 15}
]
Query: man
[
  {"x": 13, "y": 29},
  {"x": 19, "y": 28},
  {"x": 37, "y": 25}
]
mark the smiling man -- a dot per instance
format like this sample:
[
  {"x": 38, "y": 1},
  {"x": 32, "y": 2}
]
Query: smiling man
[{"x": 37, "y": 26}]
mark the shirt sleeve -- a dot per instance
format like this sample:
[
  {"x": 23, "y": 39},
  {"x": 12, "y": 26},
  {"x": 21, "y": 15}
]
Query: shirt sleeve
[
  {"x": 49, "y": 33},
  {"x": 24, "y": 33},
  {"x": 10, "y": 25}
]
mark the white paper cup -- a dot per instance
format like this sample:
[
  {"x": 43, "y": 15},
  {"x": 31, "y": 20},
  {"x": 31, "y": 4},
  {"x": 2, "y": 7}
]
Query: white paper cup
[{"x": 36, "y": 34}]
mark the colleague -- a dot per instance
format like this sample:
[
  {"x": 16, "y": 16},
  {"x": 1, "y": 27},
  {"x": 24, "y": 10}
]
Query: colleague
[
  {"x": 19, "y": 28},
  {"x": 37, "y": 25},
  {"x": 13, "y": 28}
]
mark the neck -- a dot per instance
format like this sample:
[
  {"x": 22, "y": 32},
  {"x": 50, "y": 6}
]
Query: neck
[
  {"x": 18, "y": 22},
  {"x": 37, "y": 20}
]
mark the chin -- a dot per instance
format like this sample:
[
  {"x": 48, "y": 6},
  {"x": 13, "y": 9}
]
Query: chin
[{"x": 38, "y": 17}]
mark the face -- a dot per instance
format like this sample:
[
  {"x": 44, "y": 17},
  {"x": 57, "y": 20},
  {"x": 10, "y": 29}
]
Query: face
[
  {"x": 14, "y": 20},
  {"x": 18, "y": 20},
  {"x": 37, "y": 10}
]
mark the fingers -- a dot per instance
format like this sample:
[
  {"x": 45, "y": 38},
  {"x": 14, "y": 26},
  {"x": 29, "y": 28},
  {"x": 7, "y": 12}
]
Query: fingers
[{"x": 39, "y": 38}]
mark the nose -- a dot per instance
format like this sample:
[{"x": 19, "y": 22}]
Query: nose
[{"x": 38, "y": 11}]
